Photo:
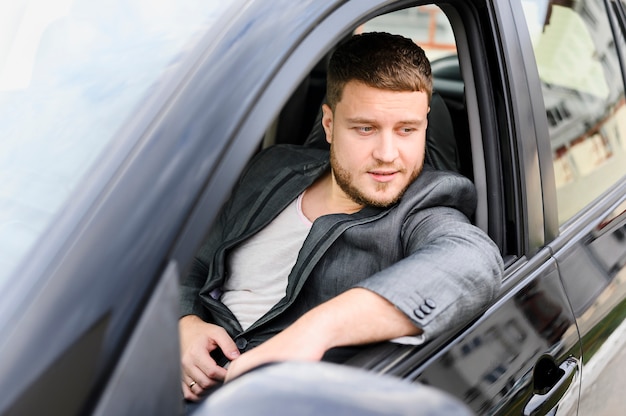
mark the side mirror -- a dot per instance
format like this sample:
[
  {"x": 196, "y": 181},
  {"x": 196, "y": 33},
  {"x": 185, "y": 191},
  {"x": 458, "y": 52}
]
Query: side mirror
[{"x": 314, "y": 388}]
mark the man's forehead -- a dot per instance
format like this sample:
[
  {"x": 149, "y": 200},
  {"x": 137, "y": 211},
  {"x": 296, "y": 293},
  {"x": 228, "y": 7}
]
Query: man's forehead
[
  {"x": 361, "y": 103},
  {"x": 365, "y": 92}
]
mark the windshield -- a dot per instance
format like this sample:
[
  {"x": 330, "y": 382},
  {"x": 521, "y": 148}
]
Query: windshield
[{"x": 71, "y": 72}]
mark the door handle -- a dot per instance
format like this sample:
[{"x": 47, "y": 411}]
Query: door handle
[{"x": 550, "y": 384}]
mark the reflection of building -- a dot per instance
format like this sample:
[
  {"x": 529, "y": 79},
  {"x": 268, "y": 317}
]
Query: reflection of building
[
  {"x": 506, "y": 343},
  {"x": 581, "y": 75},
  {"x": 578, "y": 65},
  {"x": 509, "y": 342}
]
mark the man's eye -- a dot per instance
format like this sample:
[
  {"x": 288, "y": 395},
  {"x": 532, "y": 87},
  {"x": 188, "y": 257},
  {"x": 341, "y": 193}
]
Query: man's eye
[
  {"x": 406, "y": 130},
  {"x": 365, "y": 129}
]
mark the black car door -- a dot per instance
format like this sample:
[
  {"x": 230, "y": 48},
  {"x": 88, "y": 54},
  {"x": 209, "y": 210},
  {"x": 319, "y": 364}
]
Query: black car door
[{"x": 586, "y": 115}]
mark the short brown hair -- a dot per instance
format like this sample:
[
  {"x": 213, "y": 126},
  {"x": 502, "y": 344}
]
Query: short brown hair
[{"x": 378, "y": 60}]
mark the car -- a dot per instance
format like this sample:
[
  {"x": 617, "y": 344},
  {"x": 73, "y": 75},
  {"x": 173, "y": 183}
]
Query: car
[{"x": 126, "y": 124}]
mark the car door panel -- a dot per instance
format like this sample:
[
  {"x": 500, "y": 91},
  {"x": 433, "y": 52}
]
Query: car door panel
[
  {"x": 584, "y": 141},
  {"x": 151, "y": 354},
  {"x": 491, "y": 365},
  {"x": 593, "y": 269}
]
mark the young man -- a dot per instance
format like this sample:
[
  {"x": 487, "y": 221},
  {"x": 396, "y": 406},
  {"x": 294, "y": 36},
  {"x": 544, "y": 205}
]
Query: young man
[{"x": 319, "y": 249}]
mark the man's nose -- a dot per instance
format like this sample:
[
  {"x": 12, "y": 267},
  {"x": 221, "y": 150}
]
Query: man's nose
[{"x": 386, "y": 149}]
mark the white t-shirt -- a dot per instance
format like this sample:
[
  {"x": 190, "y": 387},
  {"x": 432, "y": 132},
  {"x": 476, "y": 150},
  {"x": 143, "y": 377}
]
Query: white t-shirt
[{"x": 259, "y": 267}]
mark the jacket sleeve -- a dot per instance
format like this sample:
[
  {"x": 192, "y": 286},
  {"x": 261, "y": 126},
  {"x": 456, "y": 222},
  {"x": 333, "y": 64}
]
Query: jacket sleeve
[{"x": 451, "y": 272}]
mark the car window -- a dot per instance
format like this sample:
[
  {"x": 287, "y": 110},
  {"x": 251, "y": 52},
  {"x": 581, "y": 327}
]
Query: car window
[
  {"x": 584, "y": 98},
  {"x": 427, "y": 25},
  {"x": 77, "y": 67}
]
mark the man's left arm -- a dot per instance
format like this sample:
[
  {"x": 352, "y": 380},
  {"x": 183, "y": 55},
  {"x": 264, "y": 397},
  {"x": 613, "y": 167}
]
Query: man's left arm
[
  {"x": 357, "y": 316},
  {"x": 452, "y": 272}
]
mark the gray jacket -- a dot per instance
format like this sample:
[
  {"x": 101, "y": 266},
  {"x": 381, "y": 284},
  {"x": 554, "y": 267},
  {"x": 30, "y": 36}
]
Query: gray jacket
[{"x": 422, "y": 254}]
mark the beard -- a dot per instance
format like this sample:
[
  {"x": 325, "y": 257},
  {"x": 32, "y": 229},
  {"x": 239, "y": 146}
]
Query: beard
[{"x": 345, "y": 180}]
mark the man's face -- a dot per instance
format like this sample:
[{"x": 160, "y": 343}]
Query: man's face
[{"x": 377, "y": 142}]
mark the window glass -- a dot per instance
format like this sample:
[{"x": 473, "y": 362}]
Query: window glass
[
  {"x": 427, "y": 25},
  {"x": 584, "y": 98},
  {"x": 71, "y": 72}
]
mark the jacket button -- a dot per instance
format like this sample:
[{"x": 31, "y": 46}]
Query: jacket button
[
  {"x": 426, "y": 309},
  {"x": 430, "y": 303},
  {"x": 241, "y": 343},
  {"x": 419, "y": 313}
]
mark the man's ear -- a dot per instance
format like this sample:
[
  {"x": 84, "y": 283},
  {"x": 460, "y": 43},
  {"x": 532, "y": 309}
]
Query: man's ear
[{"x": 327, "y": 122}]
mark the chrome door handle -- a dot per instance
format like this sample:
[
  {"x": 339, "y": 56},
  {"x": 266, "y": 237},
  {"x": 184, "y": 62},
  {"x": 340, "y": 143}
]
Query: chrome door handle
[{"x": 550, "y": 384}]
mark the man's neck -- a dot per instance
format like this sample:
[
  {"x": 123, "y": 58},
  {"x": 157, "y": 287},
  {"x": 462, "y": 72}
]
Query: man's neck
[{"x": 324, "y": 197}]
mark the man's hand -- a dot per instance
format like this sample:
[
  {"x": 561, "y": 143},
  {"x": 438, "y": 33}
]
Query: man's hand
[
  {"x": 199, "y": 370},
  {"x": 355, "y": 317},
  {"x": 294, "y": 343}
]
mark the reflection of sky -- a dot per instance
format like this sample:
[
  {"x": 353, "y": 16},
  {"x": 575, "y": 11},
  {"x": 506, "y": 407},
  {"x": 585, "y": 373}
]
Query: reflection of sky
[
  {"x": 535, "y": 13},
  {"x": 92, "y": 65}
]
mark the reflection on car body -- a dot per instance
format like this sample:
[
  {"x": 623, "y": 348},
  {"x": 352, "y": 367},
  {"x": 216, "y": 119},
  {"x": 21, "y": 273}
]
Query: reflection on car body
[{"x": 125, "y": 133}]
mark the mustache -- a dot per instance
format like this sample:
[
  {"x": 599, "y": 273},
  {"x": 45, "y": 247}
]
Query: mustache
[{"x": 385, "y": 167}]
